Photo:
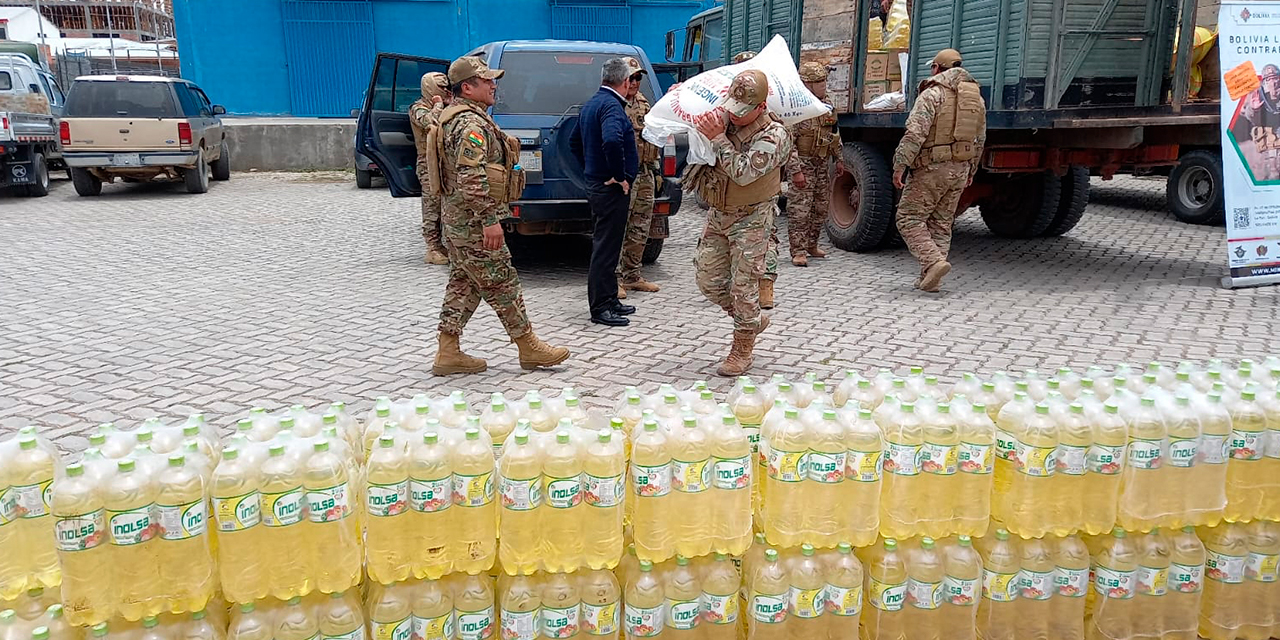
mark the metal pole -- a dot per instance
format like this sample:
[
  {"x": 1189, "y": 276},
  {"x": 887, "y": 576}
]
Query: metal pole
[
  {"x": 111, "y": 40},
  {"x": 40, "y": 21}
]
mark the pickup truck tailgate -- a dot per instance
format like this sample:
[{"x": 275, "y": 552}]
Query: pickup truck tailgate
[{"x": 134, "y": 134}]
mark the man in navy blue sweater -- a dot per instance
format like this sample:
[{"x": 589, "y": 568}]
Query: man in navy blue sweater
[{"x": 605, "y": 143}]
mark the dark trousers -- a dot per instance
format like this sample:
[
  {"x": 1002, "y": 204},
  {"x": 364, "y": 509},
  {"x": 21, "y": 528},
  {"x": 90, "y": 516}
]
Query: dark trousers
[{"x": 609, "y": 205}]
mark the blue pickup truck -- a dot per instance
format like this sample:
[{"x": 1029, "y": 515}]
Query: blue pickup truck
[{"x": 538, "y": 102}]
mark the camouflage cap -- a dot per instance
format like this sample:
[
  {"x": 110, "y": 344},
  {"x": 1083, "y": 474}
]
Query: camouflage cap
[
  {"x": 743, "y": 56},
  {"x": 434, "y": 84},
  {"x": 813, "y": 72},
  {"x": 749, "y": 90},
  {"x": 468, "y": 67},
  {"x": 634, "y": 66},
  {"x": 947, "y": 58}
]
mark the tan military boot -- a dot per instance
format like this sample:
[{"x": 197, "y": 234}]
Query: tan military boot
[
  {"x": 766, "y": 294},
  {"x": 932, "y": 278},
  {"x": 800, "y": 260},
  {"x": 622, "y": 293},
  {"x": 815, "y": 252},
  {"x": 641, "y": 285},
  {"x": 435, "y": 256},
  {"x": 450, "y": 359},
  {"x": 739, "y": 359},
  {"x": 535, "y": 354}
]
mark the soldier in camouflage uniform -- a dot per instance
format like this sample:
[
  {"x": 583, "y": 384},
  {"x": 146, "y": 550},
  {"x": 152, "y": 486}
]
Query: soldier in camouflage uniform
[
  {"x": 741, "y": 187},
  {"x": 1261, "y": 113},
  {"x": 424, "y": 114},
  {"x": 478, "y": 178},
  {"x": 942, "y": 146},
  {"x": 817, "y": 143},
  {"x": 643, "y": 190}
]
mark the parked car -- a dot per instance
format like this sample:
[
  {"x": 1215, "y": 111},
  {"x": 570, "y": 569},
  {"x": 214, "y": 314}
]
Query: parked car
[
  {"x": 366, "y": 169},
  {"x": 138, "y": 128},
  {"x": 538, "y": 101},
  {"x": 30, "y": 102}
]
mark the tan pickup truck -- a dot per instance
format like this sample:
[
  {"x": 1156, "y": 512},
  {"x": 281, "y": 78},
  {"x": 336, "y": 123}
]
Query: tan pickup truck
[{"x": 138, "y": 128}]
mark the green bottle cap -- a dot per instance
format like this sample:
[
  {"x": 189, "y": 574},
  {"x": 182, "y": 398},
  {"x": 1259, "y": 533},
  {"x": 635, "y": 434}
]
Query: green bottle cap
[
  {"x": 682, "y": 561},
  {"x": 100, "y": 630},
  {"x": 562, "y": 437},
  {"x": 965, "y": 541},
  {"x": 430, "y": 437},
  {"x": 329, "y": 418},
  {"x": 75, "y": 470},
  {"x": 926, "y": 542},
  {"x": 890, "y": 544},
  {"x": 177, "y": 460},
  {"x": 287, "y": 423},
  {"x": 1042, "y": 409},
  {"x": 386, "y": 442},
  {"x": 382, "y": 412},
  {"x": 40, "y": 633},
  {"x": 199, "y": 615},
  {"x": 150, "y": 622},
  {"x": 845, "y": 548},
  {"x": 771, "y": 555},
  {"x": 646, "y": 566},
  {"x": 230, "y": 453},
  {"x": 126, "y": 466},
  {"x": 473, "y": 434},
  {"x": 1077, "y": 408},
  {"x": 321, "y": 447},
  {"x": 806, "y": 549},
  {"x": 1002, "y": 534},
  {"x": 604, "y": 436}
]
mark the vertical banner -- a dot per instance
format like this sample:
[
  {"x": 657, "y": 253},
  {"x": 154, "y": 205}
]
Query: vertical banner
[{"x": 1249, "y": 51}]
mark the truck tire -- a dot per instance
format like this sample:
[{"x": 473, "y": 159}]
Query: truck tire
[
  {"x": 364, "y": 179},
  {"x": 197, "y": 179},
  {"x": 1194, "y": 189},
  {"x": 86, "y": 184},
  {"x": 861, "y": 200},
  {"x": 652, "y": 249},
  {"x": 39, "y": 188},
  {"x": 1075, "y": 197},
  {"x": 1024, "y": 205},
  {"x": 222, "y": 166}
]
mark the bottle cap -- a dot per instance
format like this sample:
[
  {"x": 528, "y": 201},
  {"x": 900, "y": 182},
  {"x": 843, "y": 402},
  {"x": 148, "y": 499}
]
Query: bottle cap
[
  {"x": 926, "y": 542},
  {"x": 338, "y": 594},
  {"x": 1111, "y": 407},
  {"x": 430, "y": 437},
  {"x": 890, "y": 544},
  {"x": 633, "y": 399},
  {"x": 246, "y": 607},
  {"x": 27, "y": 443},
  {"x": 1148, "y": 402},
  {"x": 100, "y": 630},
  {"x": 473, "y": 434},
  {"x": 682, "y": 561},
  {"x": 562, "y": 437},
  {"x": 617, "y": 424},
  {"x": 650, "y": 425},
  {"x": 1118, "y": 533},
  {"x": 126, "y": 466},
  {"x": 604, "y": 435},
  {"x": 1002, "y": 534},
  {"x": 55, "y": 611},
  {"x": 908, "y": 407},
  {"x": 670, "y": 398},
  {"x": 646, "y": 566},
  {"x": 230, "y": 453},
  {"x": 1077, "y": 408},
  {"x": 806, "y": 549},
  {"x": 522, "y": 438},
  {"x": 760, "y": 539},
  {"x": 244, "y": 424},
  {"x": 199, "y": 615},
  {"x": 845, "y": 548},
  {"x": 177, "y": 460},
  {"x": 565, "y": 423},
  {"x": 40, "y": 633},
  {"x": 382, "y": 412},
  {"x": 979, "y": 407},
  {"x": 75, "y": 470},
  {"x": 287, "y": 423},
  {"x": 386, "y": 442},
  {"x": 1042, "y": 409},
  {"x": 295, "y": 601},
  {"x": 276, "y": 450},
  {"x": 571, "y": 401},
  {"x": 150, "y": 621},
  {"x": 964, "y": 540},
  {"x": 97, "y": 439},
  {"x": 771, "y": 555},
  {"x": 321, "y": 447},
  {"x": 828, "y": 414},
  {"x": 944, "y": 408},
  {"x": 329, "y": 418}
]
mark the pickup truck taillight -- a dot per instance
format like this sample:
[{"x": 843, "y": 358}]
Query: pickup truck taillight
[
  {"x": 669, "y": 157},
  {"x": 184, "y": 133},
  {"x": 64, "y": 132}
]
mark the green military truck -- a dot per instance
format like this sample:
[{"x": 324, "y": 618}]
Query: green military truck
[{"x": 1074, "y": 88}]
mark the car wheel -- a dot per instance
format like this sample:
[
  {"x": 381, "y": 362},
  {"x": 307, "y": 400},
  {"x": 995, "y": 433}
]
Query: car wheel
[
  {"x": 222, "y": 166},
  {"x": 364, "y": 179},
  {"x": 1194, "y": 189},
  {"x": 40, "y": 187},
  {"x": 86, "y": 183},
  {"x": 652, "y": 249},
  {"x": 197, "y": 179}
]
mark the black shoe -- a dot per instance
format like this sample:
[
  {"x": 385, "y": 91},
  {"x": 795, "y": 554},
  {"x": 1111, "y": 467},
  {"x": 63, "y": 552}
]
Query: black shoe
[
  {"x": 623, "y": 309},
  {"x": 610, "y": 318}
]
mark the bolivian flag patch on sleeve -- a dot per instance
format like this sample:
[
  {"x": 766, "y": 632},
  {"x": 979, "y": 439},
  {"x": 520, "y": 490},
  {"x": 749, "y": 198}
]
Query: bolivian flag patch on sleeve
[{"x": 475, "y": 137}]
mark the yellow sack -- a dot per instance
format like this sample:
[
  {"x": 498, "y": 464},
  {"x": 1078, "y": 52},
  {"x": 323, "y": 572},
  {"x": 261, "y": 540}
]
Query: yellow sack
[
  {"x": 1204, "y": 41},
  {"x": 898, "y": 27},
  {"x": 875, "y": 34},
  {"x": 1197, "y": 79}
]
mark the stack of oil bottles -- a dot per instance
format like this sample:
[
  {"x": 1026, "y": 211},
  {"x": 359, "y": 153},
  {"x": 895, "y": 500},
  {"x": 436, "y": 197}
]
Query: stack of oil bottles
[{"x": 1122, "y": 504}]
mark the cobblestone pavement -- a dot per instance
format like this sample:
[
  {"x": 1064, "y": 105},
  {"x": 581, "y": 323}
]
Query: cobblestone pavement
[{"x": 275, "y": 289}]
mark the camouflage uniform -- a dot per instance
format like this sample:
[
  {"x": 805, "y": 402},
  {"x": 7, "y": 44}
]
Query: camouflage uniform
[
  {"x": 731, "y": 253},
  {"x": 642, "y": 195},
  {"x": 471, "y": 140},
  {"x": 1261, "y": 109},
  {"x": 928, "y": 205},
  {"x": 424, "y": 114},
  {"x": 808, "y": 208}
]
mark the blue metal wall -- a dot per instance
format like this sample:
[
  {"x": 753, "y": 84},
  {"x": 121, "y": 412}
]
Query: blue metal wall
[{"x": 303, "y": 57}]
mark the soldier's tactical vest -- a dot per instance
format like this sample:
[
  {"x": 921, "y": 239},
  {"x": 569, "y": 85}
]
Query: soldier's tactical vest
[
  {"x": 506, "y": 182},
  {"x": 819, "y": 141},
  {"x": 720, "y": 192},
  {"x": 955, "y": 126},
  {"x": 422, "y": 141},
  {"x": 647, "y": 152}
]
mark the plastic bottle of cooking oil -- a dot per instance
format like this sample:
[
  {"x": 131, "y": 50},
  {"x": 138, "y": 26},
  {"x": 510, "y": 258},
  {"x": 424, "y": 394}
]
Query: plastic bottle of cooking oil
[
  {"x": 730, "y": 505},
  {"x": 807, "y": 599},
  {"x": 296, "y": 622},
  {"x": 842, "y": 594},
  {"x": 1186, "y": 583},
  {"x": 1115, "y": 568},
  {"x": 1270, "y": 509},
  {"x": 720, "y": 591},
  {"x": 650, "y": 488},
  {"x": 827, "y": 520},
  {"x": 925, "y": 576},
  {"x": 431, "y": 499},
  {"x": 1261, "y": 590},
  {"x": 683, "y": 593},
  {"x": 785, "y": 495},
  {"x": 283, "y": 513},
  {"x": 1245, "y": 468},
  {"x": 183, "y": 554},
  {"x": 476, "y": 518},
  {"x": 433, "y": 616},
  {"x": 31, "y": 472},
  {"x": 645, "y": 613},
  {"x": 863, "y": 469},
  {"x": 498, "y": 421},
  {"x": 900, "y": 507},
  {"x": 388, "y": 524},
  {"x": 961, "y": 586},
  {"x": 473, "y": 603},
  {"x": 520, "y": 488},
  {"x": 335, "y": 548},
  {"x": 939, "y": 463},
  {"x": 604, "y": 481},
  {"x": 975, "y": 458},
  {"x": 770, "y": 592},
  {"x": 601, "y": 605},
  {"x": 998, "y": 609},
  {"x": 1009, "y": 420},
  {"x": 1035, "y": 460},
  {"x": 562, "y": 513},
  {"x": 130, "y": 499},
  {"x": 1148, "y": 448},
  {"x": 1179, "y": 470},
  {"x": 1226, "y": 552},
  {"x": 1105, "y": 462},
  {"x": 80, "y": 525},
  {"x": 390, "y": 612},
  {"x": 519, "y": 604},
  {"x": 1070, "y": 479},
  {"x": 691, "y": 479},
  {"x": 886, "y": 593},
  {"x": 246, "y": 624},
  {"x": 13, "y": 577},
  {"x": 1071, "y": 584},
  {"x": 1151, "y": 584},
  {"x": 1035, "y": 589},
  {"x": 237, "y": 512},
  {"x": 561, "y": 606},
  {"x": 340, "y": 618}
]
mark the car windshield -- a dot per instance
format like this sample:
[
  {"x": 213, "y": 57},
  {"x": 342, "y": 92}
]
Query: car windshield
[
  {"x": 114, "y": 99},
  {"x": 549, "y": 82}
]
